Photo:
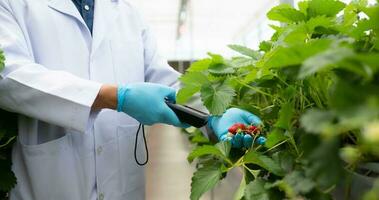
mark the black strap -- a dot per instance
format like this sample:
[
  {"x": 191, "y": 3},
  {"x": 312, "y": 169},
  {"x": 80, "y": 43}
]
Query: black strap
[{"x": 136, "y": 144}]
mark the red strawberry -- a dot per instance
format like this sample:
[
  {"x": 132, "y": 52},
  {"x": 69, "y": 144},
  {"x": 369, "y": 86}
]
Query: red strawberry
[
  {"x": 236, "y": 128},
  {"x": 233, "y": 129},
  {"x": 253, "y": 129},
  {"x": 240, "y": 126}
]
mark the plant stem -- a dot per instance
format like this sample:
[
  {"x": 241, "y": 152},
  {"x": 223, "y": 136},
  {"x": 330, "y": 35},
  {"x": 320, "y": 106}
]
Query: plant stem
[
  {"x": 267, "y": 107},
  {"x": 292, "y": 141},
  {"x": 255, "y": 89},
  {"x": 255, "y": 173},
  {"x": 275, "y": 146},
  {"x": 280, "y": 79},
  {"x": 9, "y": 141}
]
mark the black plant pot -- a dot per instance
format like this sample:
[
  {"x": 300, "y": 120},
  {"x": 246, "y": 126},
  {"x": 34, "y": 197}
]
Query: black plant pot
[{"x": 362, "y": 180}]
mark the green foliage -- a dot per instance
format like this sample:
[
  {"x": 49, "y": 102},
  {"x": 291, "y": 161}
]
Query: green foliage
[
  {"x": 329, "y": 8},
  {"x": 8, "y": 130},
  {"x": 191, "y": 87},
  {"x": 217, "y": 97},
  {"x": 256, "y": 190},
  {"x": 8, "y": 179},
  {"x": 246, "y": 51},
  {"x": 263, "y": 161},
  {"x": 220, "y": 150},
  {"x": 2, "y": 58},
  {"x": 204, "y": 178},
  {"x": 315, "y": 85},
  {"x": 286, "y": 13},
  {"x": 294, "y": 184}
]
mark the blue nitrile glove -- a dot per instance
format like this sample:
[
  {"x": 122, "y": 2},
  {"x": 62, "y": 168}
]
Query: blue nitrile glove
[
  {"x": 220, "y": 125},
  {"x": 145, "y": 102}
]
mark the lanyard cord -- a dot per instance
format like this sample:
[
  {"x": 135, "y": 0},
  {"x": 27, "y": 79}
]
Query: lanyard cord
[{"x": 136, "y": 144}]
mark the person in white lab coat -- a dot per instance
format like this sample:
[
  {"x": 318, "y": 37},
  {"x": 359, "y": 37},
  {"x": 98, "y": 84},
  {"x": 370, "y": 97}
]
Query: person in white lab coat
[{"x": 67, "y": 78}]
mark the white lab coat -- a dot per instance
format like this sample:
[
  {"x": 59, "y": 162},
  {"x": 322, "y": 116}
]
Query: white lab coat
[{"x": 53, "y": 72}]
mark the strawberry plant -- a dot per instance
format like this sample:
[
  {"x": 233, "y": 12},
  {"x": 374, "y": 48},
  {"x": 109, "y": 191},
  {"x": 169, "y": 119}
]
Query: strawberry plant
[
  {"x": 8, "y": 126},
  {"x": 315, "y": 85}
]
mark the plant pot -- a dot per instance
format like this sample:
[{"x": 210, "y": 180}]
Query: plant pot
[{"x": 362, "y": 180}]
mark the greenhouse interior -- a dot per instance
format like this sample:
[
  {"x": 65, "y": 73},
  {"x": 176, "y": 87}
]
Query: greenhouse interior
[{"x": 189, "y": 99}]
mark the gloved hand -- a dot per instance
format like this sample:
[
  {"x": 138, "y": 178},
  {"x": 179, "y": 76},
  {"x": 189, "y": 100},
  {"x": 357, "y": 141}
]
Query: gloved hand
[
  {"x": 145, "y": 102},
  {"x": 220, "y": 125}
]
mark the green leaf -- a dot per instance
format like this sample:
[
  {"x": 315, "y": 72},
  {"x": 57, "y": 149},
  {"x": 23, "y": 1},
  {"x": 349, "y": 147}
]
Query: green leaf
[
  {"x": 363, "y": 64},
  {"x": 324, "y": 165},
  {"x": 255, "y": 190},
  {"x": 200, "y": 65},
  {"x": 265, "y": 46},
  {"x": 289, "y": 93},
  {"x": 317, "y": 121},
  {"x": 245, "y": 51},
  {"x": 2, "y": 58},
  {"x": 192, "y": 81},
  {"x": 303, "y": 6},
  {"x": 224, "y": 148},
  {"x": 251, "y": 76},
  {"x": 285, "y": 116},
  {"x": 285, "y": 159},
  {"x": 219, "y": 66},
  {"x": 285, "y": 13},
  {"x": 185, "y": 93},
  {"x": 221, "y": 69},
  {"x": 204, "y": 179},
  {"x": 295, "y": 183},
  {"x": 242, "y": 62},
  {"x": 263, "y": 161},
  {"x": 205, "y": 150},
  {"x": 319, "y": 21},
  {"x": 350, "y": 15},
  {"x": 293, "y": 34},
  {"x": 197, "y": 137},
  {"x": 329, "y": 8},
  {"x": 299, "y": 183},
  {"x": 8, "y": 179},
  {"x": 216, "y": 58},
  {"x": 330, "y": 57},
  {"x": 195, "y": 79},
  {"x": 217, "y": 97},
  {"x": 294, "y": 55},
  {"x": 274, "y": 138}
]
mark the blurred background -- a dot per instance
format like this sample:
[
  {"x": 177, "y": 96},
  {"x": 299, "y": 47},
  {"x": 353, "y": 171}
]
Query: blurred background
[{"x": 186, "y": 30}]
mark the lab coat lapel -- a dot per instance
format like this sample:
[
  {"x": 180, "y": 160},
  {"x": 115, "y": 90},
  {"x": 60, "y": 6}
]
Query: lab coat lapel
[
  {"x": 106, "y": 12},
  {"x": 66, "y": 7}
]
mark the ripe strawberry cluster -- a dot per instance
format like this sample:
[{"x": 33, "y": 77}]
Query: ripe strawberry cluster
[
  {"x": 248, "y": 132},
  {"x": 242, "y": 128}
]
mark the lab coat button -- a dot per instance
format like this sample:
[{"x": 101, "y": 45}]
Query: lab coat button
[
  {"x": 101, "y": 196},
  {"x": 99, "y": 150},
  {"x": 86, "y": 7}
]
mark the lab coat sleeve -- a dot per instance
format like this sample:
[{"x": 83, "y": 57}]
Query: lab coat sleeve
[
  {"x": 157, "y": 69},
  {"x": 30, "y": 89}
]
